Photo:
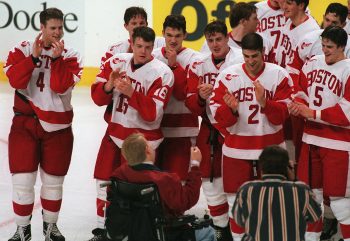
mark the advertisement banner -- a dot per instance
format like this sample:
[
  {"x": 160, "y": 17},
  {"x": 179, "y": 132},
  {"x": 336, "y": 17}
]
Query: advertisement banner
[
  {"x": 19, "y": 21},
  {"x": 199, "y": 13}
]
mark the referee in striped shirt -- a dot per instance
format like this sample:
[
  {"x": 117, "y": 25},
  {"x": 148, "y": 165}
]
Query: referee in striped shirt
[{"x": 275, "y": 208}]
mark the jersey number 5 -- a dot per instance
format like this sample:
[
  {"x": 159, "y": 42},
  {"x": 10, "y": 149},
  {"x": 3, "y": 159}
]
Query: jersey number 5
[{"x": 318, "y": 101}]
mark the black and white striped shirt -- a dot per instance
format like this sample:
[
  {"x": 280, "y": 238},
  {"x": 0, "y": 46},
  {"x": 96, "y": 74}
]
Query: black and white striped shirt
[{"x": 274, "y": 209}]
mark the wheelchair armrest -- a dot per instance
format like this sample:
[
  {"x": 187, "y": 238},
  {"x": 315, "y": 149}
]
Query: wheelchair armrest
[
  {"x": 204, "y": 222},
  {"x": 181, "y": 220}
]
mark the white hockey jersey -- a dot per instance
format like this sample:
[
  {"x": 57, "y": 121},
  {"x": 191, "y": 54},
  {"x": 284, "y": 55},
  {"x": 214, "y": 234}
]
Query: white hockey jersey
[
  {"x": 290, "y": 37},
  {"x": 204, "y": 71},
  {"x": 271, "y": 20},
  {"x": 48, "y": 85},
  {"x": 253, "y": 127},
  {"x": 326, "y": 89},
  {"x": 310, "y": 45},
  {"x": 143, "y": 111},
  {"x": 178, "y": 120}
]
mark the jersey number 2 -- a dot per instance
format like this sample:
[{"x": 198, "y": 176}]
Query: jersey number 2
[{"x": 255, "y": 109}]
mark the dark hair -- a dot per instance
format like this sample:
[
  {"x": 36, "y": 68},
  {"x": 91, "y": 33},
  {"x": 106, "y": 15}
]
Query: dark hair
[
  {"x": 298, "y": 2},
  {"x": 146, "y": 33},
  {"x": 253, "y": 41},
  {"x": 241, "y": 11},
  {"x": 339, "y": 10},
  {"x": 216, "y": 26},
  {"x": 50, "y": 13},
  {"x": 336, "y": 34},
  {"x": 274, "y": 160},
  {"x": 176, "y": 21},
  {"x": 133, "y": 12}
]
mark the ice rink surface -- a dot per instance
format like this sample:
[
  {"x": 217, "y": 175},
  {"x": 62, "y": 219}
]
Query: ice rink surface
[{"x": 77, "y": 217}]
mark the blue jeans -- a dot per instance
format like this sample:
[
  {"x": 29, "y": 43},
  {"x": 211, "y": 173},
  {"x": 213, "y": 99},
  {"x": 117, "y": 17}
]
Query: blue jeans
[{"x": 205, "y": 234}]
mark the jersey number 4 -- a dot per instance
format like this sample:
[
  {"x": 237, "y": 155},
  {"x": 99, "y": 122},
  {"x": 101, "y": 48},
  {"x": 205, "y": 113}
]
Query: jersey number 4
[{"x": 40, "y": 82}]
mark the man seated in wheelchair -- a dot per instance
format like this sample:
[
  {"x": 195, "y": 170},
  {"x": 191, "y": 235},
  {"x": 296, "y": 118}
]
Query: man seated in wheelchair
[{"x": 145, "y": 201}]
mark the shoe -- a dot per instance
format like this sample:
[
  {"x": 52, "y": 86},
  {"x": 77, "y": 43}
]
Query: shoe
[
  {"x": 330, "y": 228},
  {"x": 99, "y": 235},
  {"x": 223, "y": 234},
  {"x": 23, "y": 233},
  {"x": 52, "y": 233}
]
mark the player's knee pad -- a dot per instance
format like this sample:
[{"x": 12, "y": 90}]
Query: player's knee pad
[
  {"x": 52, "y": 186},
  {"x": 101, "y": 190},
  {"x": 341, "y": 209},
  {"x": 23, "y": 187}
]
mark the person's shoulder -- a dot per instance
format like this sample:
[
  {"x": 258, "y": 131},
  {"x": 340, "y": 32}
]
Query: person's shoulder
[{"x": 157, "y": 66}]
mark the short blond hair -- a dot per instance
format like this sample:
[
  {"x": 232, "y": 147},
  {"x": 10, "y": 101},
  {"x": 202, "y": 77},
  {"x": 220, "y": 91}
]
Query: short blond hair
[{"x": 134, "y": 149}]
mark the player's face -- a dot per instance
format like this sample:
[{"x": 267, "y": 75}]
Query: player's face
[
  {"x": 142, "y": 51},
  {"x": 218, "y": 45},
  {"x": 281, "y": 3},
  {"x": 331, "y": 19},
  {"x": 331, "y": 52},
  {"x": 252, "y": 23},
  {"x": 52, "y": 31},
  {"x": 174, "y": 38},
  {"x": 291, "y": 9},
  {"x": 253, "y": 60},
  {"x": 274, "y": 3},
  {"x": 134, "y": 22}
]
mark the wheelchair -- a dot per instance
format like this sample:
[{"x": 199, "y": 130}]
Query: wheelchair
[{"x": 136, "y": 213}]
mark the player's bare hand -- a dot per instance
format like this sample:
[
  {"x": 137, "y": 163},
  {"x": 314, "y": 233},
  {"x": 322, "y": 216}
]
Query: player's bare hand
[
  {"x": 37, "y": 46},
  {"x": 58, "y": 48},
  {"x": 196, "y": 154},
  {"x": 231, "y": 101},
  {"x": 171, "y": 55},
  {"x": 293, "y": 108},
  {"x": 124, "y": 86},
  {"x": 260, "y": 93},
  {"x": 205, "y": 90},
  {"x": 113, "y": 77}
]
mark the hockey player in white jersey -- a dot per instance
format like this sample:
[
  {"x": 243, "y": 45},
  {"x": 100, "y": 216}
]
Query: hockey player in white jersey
[
  {"x": 271, "y": 20},
  {"x": 298, "y": 23},
  {"x": 179, "y": 125},
  {"x": 133, "y": 17},
  {"x": 139, "y": 87},
  {"x": 311, "y": 44},
  {"x": 250, "y": 101},
  {"x": 43, "y": 72},
  {"x": 323, "y": 100},
  {"x": 200, "y": 82},
  {"x": 243, "y": 20}
]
